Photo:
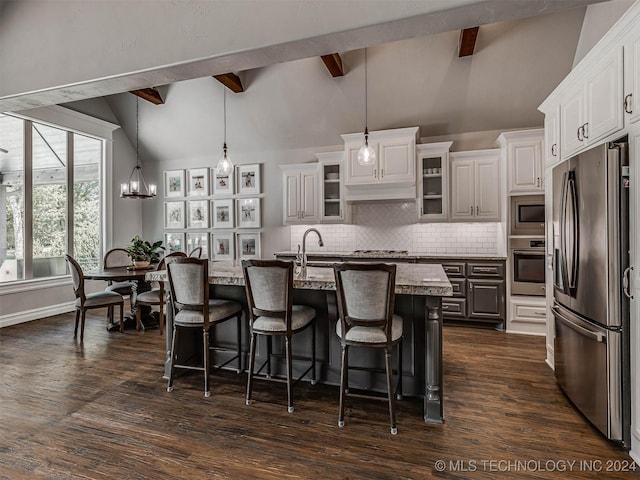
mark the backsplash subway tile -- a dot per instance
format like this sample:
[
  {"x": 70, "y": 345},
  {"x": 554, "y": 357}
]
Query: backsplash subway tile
[{"x": 391, "y": 226}]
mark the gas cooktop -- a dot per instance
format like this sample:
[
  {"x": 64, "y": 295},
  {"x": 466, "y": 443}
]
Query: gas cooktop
[{"x": 373, "y": 253}]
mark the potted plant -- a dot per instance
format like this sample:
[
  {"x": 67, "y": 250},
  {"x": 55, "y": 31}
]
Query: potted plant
[{"x": 144, "y": 253}]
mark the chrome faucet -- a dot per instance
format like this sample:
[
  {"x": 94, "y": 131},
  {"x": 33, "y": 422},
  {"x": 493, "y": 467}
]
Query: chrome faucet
[{"x": 304, "y": 246}]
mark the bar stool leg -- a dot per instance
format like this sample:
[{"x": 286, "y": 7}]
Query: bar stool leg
[
  {"x": 75, "y": 330},
  {"x": 239, "y": 333},
  {"x": 252, "y": 358},
  {"x": 172, "y": 360},
  {"x": 392, "y": 413},
  {"x": 289, "y": 374},
  {"x": 399, "y": 388},
  {"x": 313, "y": 354},
  {"x": 205, "y": 355},
  {"x": 344, "y": 382}
]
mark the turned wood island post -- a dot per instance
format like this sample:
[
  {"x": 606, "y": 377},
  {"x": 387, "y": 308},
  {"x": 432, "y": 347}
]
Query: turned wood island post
[{"x": 419, "y": 292}]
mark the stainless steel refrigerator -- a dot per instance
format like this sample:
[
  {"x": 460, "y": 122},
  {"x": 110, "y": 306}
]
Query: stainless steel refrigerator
[{"x": 590, "y": 269}]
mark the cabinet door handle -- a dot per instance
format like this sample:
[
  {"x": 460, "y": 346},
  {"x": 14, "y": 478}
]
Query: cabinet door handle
[
  {"x": 374, "y": 172},
  {"x": 382, "y": 172},
  {"x": 538, "y": 181},
  {"x": 554, "y": 149},
  {"x": 580, "y": 130},
  {"x": 477, "y": 210},
  {"x": 585, "y": 130},
  {"x": 627, "y": 103},
  {"x": 470, "y": 209}
]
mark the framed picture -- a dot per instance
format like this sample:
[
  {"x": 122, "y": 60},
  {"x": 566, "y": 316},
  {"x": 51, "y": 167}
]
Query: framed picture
[
  {"x": 248, "y": 245},
  {"x": 248, "y": 213},
  {"x": 173, "y": 242},
  {"x": 222, "y": 184},
  {"x": 173, "y": 214},
  {"x": 197, "y": 182},
  {"x": 222, "y": 246},
  {"x": 198, "y": 214},
  {"x": 223, "y": 213},
  {"x": 199, "y": 239},
  {"x": 174, "y": 183},
  {"x": 249, "y": 178}
]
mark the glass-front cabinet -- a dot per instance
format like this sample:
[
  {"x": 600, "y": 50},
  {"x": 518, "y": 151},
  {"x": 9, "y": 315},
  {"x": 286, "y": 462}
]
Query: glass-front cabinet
[
  {"x": 332, "y": 204},
  {"x": 433, "y": 181}
]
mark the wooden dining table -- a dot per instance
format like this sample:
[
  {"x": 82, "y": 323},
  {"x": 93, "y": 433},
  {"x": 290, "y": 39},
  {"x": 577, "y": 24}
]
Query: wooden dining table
[{"x": 124, "y": 274}]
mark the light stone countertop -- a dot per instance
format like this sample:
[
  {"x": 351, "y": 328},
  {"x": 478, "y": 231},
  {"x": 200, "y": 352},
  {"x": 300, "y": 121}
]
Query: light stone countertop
[
  {"x": 391, "y": 255},
  {"x": 411, "y": 279}
]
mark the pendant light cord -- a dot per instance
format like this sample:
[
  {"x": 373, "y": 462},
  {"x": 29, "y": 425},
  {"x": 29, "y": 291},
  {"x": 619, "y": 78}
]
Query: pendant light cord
[
  {"x": 366, "y": 107},
  {"x": 224, "y": 108},
  {"x": 137, "y": 131}
]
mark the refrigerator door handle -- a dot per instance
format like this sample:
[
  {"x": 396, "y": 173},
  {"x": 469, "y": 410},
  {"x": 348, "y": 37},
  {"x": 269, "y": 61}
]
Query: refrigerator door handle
[
  {"x": 598, "y": 337},
  {"x": 563, "y": 236},
  {"x": 574, "y": 232},
  {"x": 625, "y": 282}
]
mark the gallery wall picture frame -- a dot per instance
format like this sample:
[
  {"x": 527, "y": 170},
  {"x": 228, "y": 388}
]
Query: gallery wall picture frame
[
  {"x": 223, "y": 213},
  {"x": 173, "y": 215},
  {"x": 174, "y": 183},
  {"x": 222, "y": 184},
  {"x": 174, "y": 242},
  {"x": 248, "y": 212},
  {"x": 197, "y": 182},
  {"x": 249, "y": 179},
  {"x": 198, "y": 214},
  {"x": 198, "y": 239},
  {"x": 223, "y": 246},
  {"x": 249, "y": 245}
]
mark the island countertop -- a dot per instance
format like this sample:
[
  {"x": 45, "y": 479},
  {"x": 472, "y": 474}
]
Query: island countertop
[{"x": 411, "y": 279}]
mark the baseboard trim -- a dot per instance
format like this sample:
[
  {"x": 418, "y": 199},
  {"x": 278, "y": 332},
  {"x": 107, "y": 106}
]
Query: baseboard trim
[{"x": 35, "y": 314}]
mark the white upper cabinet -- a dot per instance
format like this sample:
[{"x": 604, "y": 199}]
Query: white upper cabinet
[
  {"x": 333, "y": 208},
  {"x": 592, "y": 109},
  {"x": 552, "y": 137},
  {"x": 632, "y": 77},
  {"x": 433, "y": 181},
  {"x": 300, "y": 193},
  {"x": 523, "y": 150},
  {"x": 475, "y": 185},
  {"x": 395, "y": 158}
]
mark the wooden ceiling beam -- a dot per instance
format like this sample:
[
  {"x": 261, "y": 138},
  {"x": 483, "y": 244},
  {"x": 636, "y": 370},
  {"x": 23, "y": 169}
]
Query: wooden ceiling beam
[
  {"x": 150, "y": 95},
  {"x": 468, "y": 38},
  {"x": 231, "y": 81},
  {"x": 333, "y": 62}
]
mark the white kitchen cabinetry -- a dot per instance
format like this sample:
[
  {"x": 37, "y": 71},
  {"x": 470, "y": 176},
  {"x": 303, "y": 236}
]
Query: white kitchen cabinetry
[
  {"x": 592, "y": 109},
  {"x": 300, "y": 200},
  {"x": 552, "y": 138},
  {"x": 433, "y": 181},
  {"x": 395, "y": 158},
  {"x": 333, "y": 208},
  {"x": 525, "y": 169},
  {"x": 475, "y": 185},
  {"x": 527, "y": 315},
  {"x": 632, "y": 77}
]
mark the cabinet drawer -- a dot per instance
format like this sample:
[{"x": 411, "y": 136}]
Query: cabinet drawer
[
  {"x": 459, "y": 287},
  {"x": 454, "y": 308},
  {"x": 454, "y": 269},
  {"x": 528, "y": 313},
  {"x": 486, "y": 270}
]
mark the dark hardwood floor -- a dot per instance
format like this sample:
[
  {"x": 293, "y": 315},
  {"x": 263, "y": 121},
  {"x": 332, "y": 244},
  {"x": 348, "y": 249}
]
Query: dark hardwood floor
[{"x": 101, "y": 411}]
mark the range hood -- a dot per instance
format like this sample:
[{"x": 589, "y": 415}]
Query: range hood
[{"x": 380, "y": 193}]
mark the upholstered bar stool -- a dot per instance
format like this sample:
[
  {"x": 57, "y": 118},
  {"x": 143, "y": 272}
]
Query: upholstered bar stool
[
  {"x": 365, "y": 294},
  {"x": 269, "y": 287},
  {"x": 155, "y": 297},
  {"x": 85, "y": 302},
  {"x": 189, "y": 284}
]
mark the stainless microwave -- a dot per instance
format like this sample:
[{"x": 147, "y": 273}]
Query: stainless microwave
[{"x": 527, "y": 215}]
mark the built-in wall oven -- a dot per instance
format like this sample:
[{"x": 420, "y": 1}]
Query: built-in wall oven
[
  {"x": 527, "y": 266},
  {"x": 527, "y": 215}
]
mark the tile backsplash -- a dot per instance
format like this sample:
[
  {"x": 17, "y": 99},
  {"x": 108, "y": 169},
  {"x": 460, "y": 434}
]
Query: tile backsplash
[{"x": 391, "y": 226}]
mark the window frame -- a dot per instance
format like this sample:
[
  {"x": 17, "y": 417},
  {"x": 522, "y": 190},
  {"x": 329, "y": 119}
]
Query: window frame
[{"x": 74, "y": 123}]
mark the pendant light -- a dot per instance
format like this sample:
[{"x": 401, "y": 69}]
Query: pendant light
[
  {"x": 366, "y": 154},
  {"x": 137, "y": 187},
  {"x": 225, "y": 166}
]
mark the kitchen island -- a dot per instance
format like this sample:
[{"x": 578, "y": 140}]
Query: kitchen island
[{"x": 419, "y": 291}]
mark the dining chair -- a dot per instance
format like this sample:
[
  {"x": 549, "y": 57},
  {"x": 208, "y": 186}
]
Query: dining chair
[
  {"x": 118, "y": 257},
  {"x": 85, "y": 301},
  {"x": 269, "y": 287},
  {"x": 189, "y": 285},
  {"x": 196, "y": 252},
  {"x": 155, "y": 297},
  {"x": 365, "y": 296}
]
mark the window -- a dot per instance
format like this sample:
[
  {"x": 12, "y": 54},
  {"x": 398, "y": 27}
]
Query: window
[{"x": 45, "y": 215}]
